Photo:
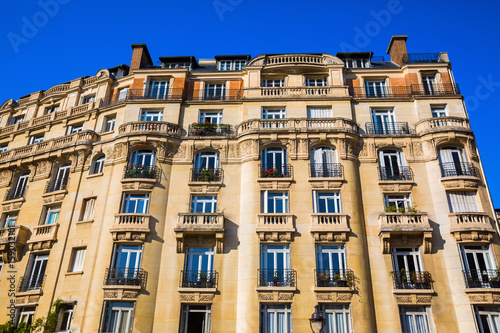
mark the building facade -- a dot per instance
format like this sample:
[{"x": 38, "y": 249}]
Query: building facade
[{"x": 234, "y": 194}]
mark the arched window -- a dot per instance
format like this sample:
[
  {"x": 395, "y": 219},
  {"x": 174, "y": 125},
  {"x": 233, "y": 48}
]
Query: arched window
[
  {"x": 60, "y": 180},
  {"x": 454, "y": 162},
  {"x": 393, "y": 166},
  {"x": 98, "y": 165},
  {"x": 324, "y": 162},
  {"x": 145, "y": 157},
  {"x": 20, "y": 187}
]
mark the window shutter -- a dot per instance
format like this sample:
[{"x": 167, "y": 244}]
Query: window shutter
[
  {"x": 462, "y": 202},
  {"x": 315, "y": 201}
]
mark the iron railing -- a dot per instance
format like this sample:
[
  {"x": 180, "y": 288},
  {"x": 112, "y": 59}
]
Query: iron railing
[
  {"x": 206, "y": 175},
  {"x": 414, "y": 58},
  {"x": 141, "y": 171},
  {"x": 133, "y": 94},
  {"x": 452, "y": 169},
  {"x": 219, "y": 95},
  {"x": 326, "y": 170},
  {"x": 385, "y": 92},
  {"x": 57, "y": 184},
  {"x": 389, "y": 128},
  {"x": 334, "y": 278},
  {"x": 396, "y": 173},
  {"x": 209, "y": 129},
  {"x": 31, "y": 283},
  {"x": 277, "y": 277},
  {"x": 411, "y": 280},
  {"x": 16, "y": 193},
  {"x": 275, "y": 171},
  {"x": 482, "y": 278},
  {"x": 125, "y": 277},
  {"x": 199, "y": 279},
  {"x": 435, "y": 89}
]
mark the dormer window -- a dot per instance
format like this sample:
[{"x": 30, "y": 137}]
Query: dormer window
[
  {"x": 225, "y": 65},
  {"x": 232, "y": 65},
  {"x": 357, "y": 63},
  {"x": 171, "y": 65}
]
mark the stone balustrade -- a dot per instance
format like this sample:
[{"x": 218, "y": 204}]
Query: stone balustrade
[
  {"x": 471, "y": 227},
  {"x": 131, "y": 226},
  {"x": 200, "y": 221},
  {"x": 441, "y": 124},
  {"x": 296, "y": 92},
  {"x": 403, "y": 221},
  {"x": 43, "y": 237},
  {"x": 275, "y": 226},
  {"x": 329, "y": 227},
  {"x": 57, "y": 89},
  {"x": 152, "y": 127},
  {"x": 297, "y": 124},
  {"x": 294, "y": 59}
]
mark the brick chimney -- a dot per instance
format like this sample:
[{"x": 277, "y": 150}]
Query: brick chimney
[
  {"x": 140, "y": 57},
  {"x": 397, "y": 49}
]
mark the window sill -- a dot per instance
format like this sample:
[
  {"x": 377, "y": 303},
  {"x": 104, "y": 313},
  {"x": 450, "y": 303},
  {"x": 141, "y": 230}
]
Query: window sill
[
  {"x": 83, "y": 222},
  {"x": 108, "y": 132},
  {"x": 94, "y": 175},
  {"x": 74, "y": 273}
]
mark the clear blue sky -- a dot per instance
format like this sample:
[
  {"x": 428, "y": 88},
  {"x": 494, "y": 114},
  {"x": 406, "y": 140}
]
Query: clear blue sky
[{"x": 43, "y": 45}]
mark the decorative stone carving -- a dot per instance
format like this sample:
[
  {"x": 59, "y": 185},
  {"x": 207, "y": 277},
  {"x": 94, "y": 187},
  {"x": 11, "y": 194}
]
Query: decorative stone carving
[
  {"x": 110, "y": 294},
  {"x": 403, "y": 299},
  {"x": 187, "y": 298},
  {"x": 266, "y": 297},
  {"x": 206, "y": 298}
]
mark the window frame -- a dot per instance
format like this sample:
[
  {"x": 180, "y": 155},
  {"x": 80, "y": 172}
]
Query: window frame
[
  {"x": 207, "y": 201},
  {"x": 186, "y": 309},
  {"x": 406, "y": 199},
  {"x": 56, "y": 209},
  {"x": 109, "y": 123},
  {"x": 151, "y": 115},
  {"x": 273, "y": 113},
  {"x": 404, "y": 310},
  {"x": 267, "y": 308},
  {"x": 329, "y": 195},
  {"x": 98, "y": 165},
  {"x": 108, "y": 310},
  {"x": 128, "y": 198},
  {"x": 74, "y": 128},
  {"x": 275, "y": 196},
  {"x": 36, "y": 138},
  {"x": 88, "y": 209},
  {"x": 77, "y": 259}
]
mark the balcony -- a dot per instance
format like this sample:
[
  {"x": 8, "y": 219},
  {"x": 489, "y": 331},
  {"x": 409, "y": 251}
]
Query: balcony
[
  {"x": 207, "y": 175},
  {"x": 226, "y": 95},
  {"x": 442, "y": 124},
  {"x": 131, "y": 226},
  {"x": 273, "y": 278},
  {"x": 421, "y": 58},
  {"x": 385, "y": 92},
  {"x": 459, "y": 169},
  {"x": 199, "y": 279},
  {"x": 28, "y": 284},
  {"x": 297, "y": 125},
  {"x": 471, "y": 227},
  {"x": 411, "y": 280},
  {"x": 12, "y": 241},
  {"x": 389, "y": 128},
  {"x": 209, "y": 129},
  {"x": 326, "y": 170},
  {"x": 334, "y": 278},
  {"x": 275, "y": 227},
  {"x": 275, "y": 171},
  {"x": 400, "y": 173},
  {"x": 175, "y": 94},
  {"x": 162, "y": 128},
  {"x": 125, "y": 277},
  {"x": 393, "y": 225},
  {"x": 304, "y": 92},
  {"x": 200, "y": 224},
  {"x": 329, "y": 227},
  {"x": 482, "y": 278},
  {"x": 141, "y": 171},
  {"x": 435, "y": 89},
  {"x": 43, "y": 237}
]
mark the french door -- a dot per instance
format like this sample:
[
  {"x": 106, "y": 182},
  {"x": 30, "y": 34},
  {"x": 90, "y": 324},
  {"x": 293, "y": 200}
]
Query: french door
[
  {"x": 384, "y": 121},
  {"x": 451, "y": 159},
  {"x": 207, "y": 160},
  {"x": 274, "y": 158},
  {"x": 479, "y": 264},
  {"x": 407, "y": 265},
  {"x": 143, "y": 157},
  {"x": 275, "y": 264},
  {"x": 62, "y": 177},
  {"x": 37, "y": 272},
  {"x": 158, "y": 90},
  {"x": 127, "y": 261},
  {"x": 324, "y": 162},
  {"x": 391, "y": 163}
]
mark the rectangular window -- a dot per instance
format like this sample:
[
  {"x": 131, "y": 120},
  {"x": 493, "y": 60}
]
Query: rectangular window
[
  {"x": 488, "y": 318},
  {"x": 51, "y": 109},
  {"x": 17, "y": 119},
  {"x": 26, "y": 315},
  {"x": 438, "y": 111},
  {"x": 479, "y": 266},
  {"x": 275, "y": 202},
  {"x": 51, "y": 214},
  {"x": 184, "y": 65},
  {"x": 384, "y": 122},
  {"x": 123, "y": 94},
  {"x": 429, "y": 83},
  {"x": 198, "y": 269},
  {"x": 152, "y": 115},
  {"x": 202, "y": 204},
  {"x": 414, "y": 319},
  {"x": 213, "y": 117},
  {"x": 88, "y": 99},
  {"x": 1, "y": 266},
  {"x": 75, "y": 128},
  {"x": 407, "y": 268},
  {"x": 88, "y": 209},
  {"x": 170, "y": 65},
  {"x": 331, "y": 266},
  {"x": 239, "y": 65},
  {"x": 195, "y": 318},
  {"x": 66, "y": 317},
  {"x": 319, "y": 112},
  {"x": 10, "y": 220},
  {"x": 158, "y": 89},
  {"x": 34, "y": 279},
  {"x": 397, "y": 203},
  {"x": 225, "y": 65},
  {"x": 273, "y": 83},
  {"x": 136, "y": 203},
  {"x": 462, "y": 202},
  {"x": 337, "y": 318},
  {"x": 316, "y": 82},
  {"x": 4, "y": 147},
  {"x": 357, "y": 63},
  {"x": 275, "y": 318},
  {"x": 326, "y": 202},
  {"x": 376, "y": 88},
  {"x": 273, "y": 113},
  {"x": 118, "y": 317},
  {"x": 35, "y": 139},
  {"x": 109, "y": 123},
  {"x": 215, "y": 90},
  {"x": 78, "y": 258}
]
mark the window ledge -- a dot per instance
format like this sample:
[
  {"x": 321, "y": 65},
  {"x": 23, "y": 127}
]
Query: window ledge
[
  {"x": 74, "y": 273},
  {"x": 108, "y": 132},
  {"x": 293, "y": 289},
  {"x": 94, "y": 175},
  {"x": 413, "y": 291},
  {"x": 197, "y": 290},
  {"x": 83, "y": 222}
]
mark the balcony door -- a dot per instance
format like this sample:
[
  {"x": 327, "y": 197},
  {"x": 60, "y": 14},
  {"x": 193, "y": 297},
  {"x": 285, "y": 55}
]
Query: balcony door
[
  {"x": 391, "y": 163},
  {"x": 478, "y": 262},
  {"x": 275, "y": 318},
  {"x": 195, "y": 318},
  {"x": 37, "y": 271},
  {"x": 384, "y": 121},
  {"x": 21, "y": 184},
  {"x": 323, "y": 162},
  {"x": 375, "y": 88},
  {"x": 136, "y": 204},
  {"x": 62, "y": 176},
  {"x": 207, "y": 160},
  {"x": 275, "y": 264},
  {"x": 158, "y": 90},
  {"x": 127, "y": 261},
  {"x": 405, "y": 262},
  {"x": 337, "y": 317},
  {"x": 274, "y": 158},
  {"x": 143, "y": 158},
  {"x": 452, "y": 161},
  {"x": 215, "y": 90},
  {"x": 488, "y": 318},
  {"x": 429, "y": 83},
  {"x": 119, "y": 317},
  {"x": 330, "y": 261},
  {"x": 198, "y": 267}
]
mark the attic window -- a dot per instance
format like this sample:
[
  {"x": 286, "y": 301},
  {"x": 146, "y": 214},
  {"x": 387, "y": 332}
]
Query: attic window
[{"x": 357, "y": 63}]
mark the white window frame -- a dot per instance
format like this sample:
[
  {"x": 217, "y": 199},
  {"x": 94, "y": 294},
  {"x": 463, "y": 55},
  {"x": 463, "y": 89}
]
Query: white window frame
[
  {"x": 314, "y": 112},
  {"x": 62, "y": 176},
  {"x": 52, "y": 108},
  {"x": 327, "y": 197},
  {"x": 162, "y": 89},
  {"x": 151, "y": 115},
  {"x": 207, "y": 159},
  {"x": 316, "y": 82},
  {"x": 273, "y": 113},
  {"x": 98, "y": 165},
  {"x": 333, "y": 311},
  {"x": 123, "y": 93},
  {"x": 88, "y": 98},
  {"x": 397, "y": 199},
  {"x": 429, "y": 82},
  {"x": 438, "y": 111},
  {"x": 330, "y": 250},
  {"x": 357, "y": 63},
  {"x": 56, "y": 210},
  {"x": 10, "y": 220},
  {"x": 376, "y": 88},
  {"x": 37, "y": 138},
  {"x": 68, "y": 311},
  {"x": 109, "y": 123},
  {"x": 492, "y": 314},
  {"x": 273, "y": 83},
  {"x": 225, "y": 65},
  {"x": 75, "y": 128},
  {"x": 484, "y": 251},
  {"x": 131, "y": 202},
  {"x": 120, "y": 311},
  {"x": 213, "y": 117},
  {"x": 132, "y": 252},
  {"x": 193, "y": 308},
  {"x": 271, "y": 310},
  {"x": 4, "y": 148},
  {"x": 274, "y": 154},
  {"x": 239, "y": 65},
  {"x": 23, "y": 312},
  {"x": 413, "y": 312},
  {"x": 462, "y": 202},
  {"x": 197, "y": 265},
  {"x": 209, "y": 204},
  {"x": 78, "y": 259},
  {"x": 16, "y": 119},
  {"x": 215, "y": 90},
  {"x": 21, "y": 185},
  {"x": 139, "y": 157},
  {"x": 273, "y": 196},
  {"x": 412, "y": 254},
  {"x": 40, "y": 261},
  {"x": 88, "y": 209}
]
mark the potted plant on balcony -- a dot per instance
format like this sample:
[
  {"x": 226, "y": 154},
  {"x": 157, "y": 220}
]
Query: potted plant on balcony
[
  {"x": 208, "y": 174},
  {"x": 391, "y": 209},
  {"x": 275, "y": 278},
  {"x": 341, "y": 280},
  {"x": 272, "y": 173},
  {"x": 323, "y": 279}
]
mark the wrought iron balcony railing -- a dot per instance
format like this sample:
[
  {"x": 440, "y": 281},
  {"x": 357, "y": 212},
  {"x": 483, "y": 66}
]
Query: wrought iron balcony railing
[
  {"x": 414, "y": 58},
  {"x": 224, "y": 95},
  {"x": 276, "y": 277},
  {"x": 206, "y": 175},
  {"x": 275, "y": 171},
  {"x": 334, "y": 278},
  {"x": 16, "y": 193},
  {"x": 389, "y": 128},
  {"x": 411, "y": 280},
  {"x": 326, "y": 170},
  {"x": 141, "y": 171},
  {"x": 199, "y": 279},
  {"x": 397, "y": 173},
  {"x": 482, "y": 278},
  {"x": 31, "y": 283},
  {"x": 133, "y": 94},
  {"x": 435, "y": 89},
  {"x": 125, "y": 277},
  {"x": 452, "y": 169},
  {"x": 385, "y": 92},
  {"x": 57, "y": 184},
  {"x": 209, "y": 129}
]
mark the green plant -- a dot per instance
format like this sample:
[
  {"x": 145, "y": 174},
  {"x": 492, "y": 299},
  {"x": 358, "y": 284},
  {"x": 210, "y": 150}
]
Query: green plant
[
  {"x": 401, "y": 210},
  {"x": 412, "y": 209},
  {"x": 390, "y": 209},
  {"x": 43, "y": 324}
]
